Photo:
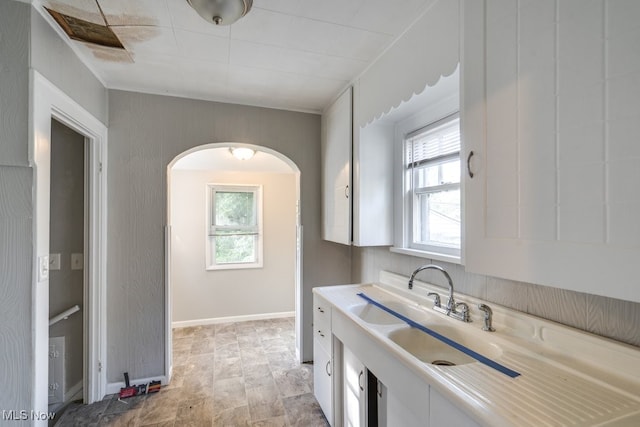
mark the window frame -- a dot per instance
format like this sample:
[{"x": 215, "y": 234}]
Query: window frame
[
  {"x": 210, "y": 227},
  {"x": 405, "y": 244}
]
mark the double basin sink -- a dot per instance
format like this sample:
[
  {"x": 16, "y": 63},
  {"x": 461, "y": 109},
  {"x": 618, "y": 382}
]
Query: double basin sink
[{"x": 425, "y": 347}]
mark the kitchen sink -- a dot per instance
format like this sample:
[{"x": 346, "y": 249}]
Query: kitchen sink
[
  {"x": 431, "y": 350},
  {"x": 377, "y": 316}
]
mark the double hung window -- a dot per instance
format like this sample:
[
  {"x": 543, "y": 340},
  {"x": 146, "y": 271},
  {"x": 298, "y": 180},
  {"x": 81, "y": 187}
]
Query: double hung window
[
  {"x": 432, "y": 187},
  {"x": 234, "y": 227}
]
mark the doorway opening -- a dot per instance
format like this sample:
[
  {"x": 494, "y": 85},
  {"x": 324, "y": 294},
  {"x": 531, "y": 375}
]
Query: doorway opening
[
  {"x": 233, "y": 238},
  {"x": 68, "y": 221},
  {"x": 50, "y": 107}
]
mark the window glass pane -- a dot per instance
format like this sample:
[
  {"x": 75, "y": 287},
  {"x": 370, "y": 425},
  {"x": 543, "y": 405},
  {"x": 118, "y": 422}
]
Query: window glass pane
[
  {"x": 235, "y": 249},
  {"x": 437, "y": 218},
  {"x": 438, "y": 174},
  {"x": 235, "y": 208}
]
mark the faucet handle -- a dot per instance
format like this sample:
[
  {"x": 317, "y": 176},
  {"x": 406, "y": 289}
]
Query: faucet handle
[
  {"x": 463, "y": 314},
  {"x": 488, "y": 314},
  {"x": 436, "y": 298},
  {"x": 464, "y": 307}
]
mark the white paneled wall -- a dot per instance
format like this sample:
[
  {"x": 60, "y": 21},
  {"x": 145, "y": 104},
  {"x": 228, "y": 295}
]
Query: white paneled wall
[{"x": 549, "y": 97}]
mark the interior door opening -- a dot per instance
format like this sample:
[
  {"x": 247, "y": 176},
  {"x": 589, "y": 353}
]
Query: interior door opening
[
  {"x": 68, "y": 244},
  {"x": 196, "y": 293}
]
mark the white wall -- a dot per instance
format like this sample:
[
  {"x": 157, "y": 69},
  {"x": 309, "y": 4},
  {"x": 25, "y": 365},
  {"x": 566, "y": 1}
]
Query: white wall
[{"x": 200, "y": 294}]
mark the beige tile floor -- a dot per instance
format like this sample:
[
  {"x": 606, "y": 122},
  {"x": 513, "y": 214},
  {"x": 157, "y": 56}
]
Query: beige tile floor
[{"x": 233, "y": 374}]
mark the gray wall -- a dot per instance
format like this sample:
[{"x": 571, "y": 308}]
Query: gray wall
[
  {"x": 604, "y": 316},
  {"x": 24, "y": 38},
  {"x": 67, "y": 237},
  {"x": 55, "y": 60},
  {"x": 16, "y": 209},
  {"x": 146, "y": 132}
]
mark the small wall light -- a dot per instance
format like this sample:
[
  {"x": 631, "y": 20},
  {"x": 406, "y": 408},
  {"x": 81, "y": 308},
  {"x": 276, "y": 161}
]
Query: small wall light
[{"x": 242, "y": 153}]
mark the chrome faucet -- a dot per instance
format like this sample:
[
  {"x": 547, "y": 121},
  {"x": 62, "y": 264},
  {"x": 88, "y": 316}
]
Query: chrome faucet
[{"x": 451, "y": 309}]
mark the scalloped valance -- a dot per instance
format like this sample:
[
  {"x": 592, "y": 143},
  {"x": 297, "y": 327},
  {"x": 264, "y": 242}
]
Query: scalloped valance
[{"x": 426, "y": 52}]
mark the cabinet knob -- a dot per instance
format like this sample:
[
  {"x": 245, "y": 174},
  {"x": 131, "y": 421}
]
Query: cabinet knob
[
  {"x": 327, "y": 367},
  {"x": 346, "y": 191},
  {"x": 469, "y": 164},
  {"x": 360, "y": 380}
]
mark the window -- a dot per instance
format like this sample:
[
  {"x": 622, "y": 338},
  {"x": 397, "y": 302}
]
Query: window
[
  {"x": 234, "y": 238},
  {"x": 432, "y": 187}
]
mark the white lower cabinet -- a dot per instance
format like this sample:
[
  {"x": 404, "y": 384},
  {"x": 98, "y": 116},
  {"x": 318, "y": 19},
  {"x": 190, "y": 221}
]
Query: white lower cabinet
[
  {"x": 443, "y": 413},
  {"x": 322, "y": 381},
  {"x": 358, "y": 383},
  {"x": 323, "y": 361},
  {"x": 397, "y": 413}
]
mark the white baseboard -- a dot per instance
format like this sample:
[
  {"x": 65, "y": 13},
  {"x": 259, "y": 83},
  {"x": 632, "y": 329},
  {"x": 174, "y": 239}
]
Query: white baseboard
[
  {"x": 73, "y": 391},
  {"x": 215, "y": 320},
  {"x": 113, "y": 388}
]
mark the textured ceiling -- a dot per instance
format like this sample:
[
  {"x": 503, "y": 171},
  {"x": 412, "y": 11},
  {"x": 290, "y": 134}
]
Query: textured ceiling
[{"x": 288, "y": 54}]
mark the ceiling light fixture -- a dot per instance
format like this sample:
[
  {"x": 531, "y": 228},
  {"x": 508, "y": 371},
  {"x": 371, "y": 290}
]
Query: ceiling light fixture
[
  {"x": 242, "y": 153},
  {"x": 221, "y": 12}
]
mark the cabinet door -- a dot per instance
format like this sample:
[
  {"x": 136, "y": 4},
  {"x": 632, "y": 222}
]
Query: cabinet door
[
  {"x": 354, "y": 390},
  {"x": 547, "y": 122},
  {"x": 322, "y": 380},
  {"x": 337, "y": 135}
]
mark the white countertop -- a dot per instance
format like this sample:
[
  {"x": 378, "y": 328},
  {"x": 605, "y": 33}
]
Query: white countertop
[{"x": 568, "y": 377}]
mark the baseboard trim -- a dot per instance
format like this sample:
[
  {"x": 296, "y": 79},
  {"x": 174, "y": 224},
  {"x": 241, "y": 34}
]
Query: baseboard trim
[
  {"x": 113, "y": 388},
  {"x": 216, "y": 320},
  {"x": 73, "y": 391}
]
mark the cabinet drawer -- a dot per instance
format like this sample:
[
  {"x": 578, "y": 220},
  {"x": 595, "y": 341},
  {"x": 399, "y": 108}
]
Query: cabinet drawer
[{"x": 322, "y": 322}]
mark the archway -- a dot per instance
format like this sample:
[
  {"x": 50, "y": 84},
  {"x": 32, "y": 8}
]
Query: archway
[{"x": 200, "y": 293}]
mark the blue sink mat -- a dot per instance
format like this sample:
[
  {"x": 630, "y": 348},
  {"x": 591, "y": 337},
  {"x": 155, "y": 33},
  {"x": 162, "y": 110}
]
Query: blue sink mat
[{"x": 477, "y": 356}]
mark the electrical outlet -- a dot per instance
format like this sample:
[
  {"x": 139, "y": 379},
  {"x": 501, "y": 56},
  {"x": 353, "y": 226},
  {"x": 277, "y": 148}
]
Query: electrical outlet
[
  {"x": 54, "y": 262},
  {"x": 77, "y": 261}
]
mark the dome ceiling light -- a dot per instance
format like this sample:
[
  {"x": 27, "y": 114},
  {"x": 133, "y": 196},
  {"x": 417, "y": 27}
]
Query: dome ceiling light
[
  {"x": 221, "y": 12},
  {"x": 242, "y": 153}
]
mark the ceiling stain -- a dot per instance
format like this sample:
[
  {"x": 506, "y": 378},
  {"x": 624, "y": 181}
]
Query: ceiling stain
[
  {"x": 110, "y": 55},
  {"x": 131, "y": 35},
  {"x": 112, "y": 36},
  {"x": 85, "y": 31}
]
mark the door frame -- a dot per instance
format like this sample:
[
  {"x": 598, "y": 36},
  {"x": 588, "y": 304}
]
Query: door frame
[{"x": 48, "y": 102}]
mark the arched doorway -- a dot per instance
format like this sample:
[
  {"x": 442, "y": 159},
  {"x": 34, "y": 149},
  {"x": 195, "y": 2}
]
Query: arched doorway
[{"x": 200, "y": 290}]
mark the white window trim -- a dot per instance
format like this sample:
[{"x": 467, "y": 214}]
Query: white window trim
[
  {"x": 403, "y": 210},
  {"x": 209, "y": 261}
]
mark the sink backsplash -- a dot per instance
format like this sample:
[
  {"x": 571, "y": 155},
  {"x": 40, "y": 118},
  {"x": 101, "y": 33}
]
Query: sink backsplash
[{"x": 608, "y": 317}]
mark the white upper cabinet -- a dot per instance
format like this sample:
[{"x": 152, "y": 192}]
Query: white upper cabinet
[
  {"x": 357, "y": 178},
  {"x": 337, "y": 136},
  {"x": 550, "y": 124}
]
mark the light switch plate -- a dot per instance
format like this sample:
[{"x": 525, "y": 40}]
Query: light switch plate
[
  {"x": 43, "y": 268},
  {"x": 54, "y": 262},
  {"x": 77, "y": 261}
]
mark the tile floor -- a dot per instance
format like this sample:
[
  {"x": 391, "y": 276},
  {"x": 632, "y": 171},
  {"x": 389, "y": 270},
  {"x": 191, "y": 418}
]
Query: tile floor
[{"x": 233, "y": 374}]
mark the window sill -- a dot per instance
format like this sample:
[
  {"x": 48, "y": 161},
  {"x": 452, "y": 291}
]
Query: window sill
[
  {"x": 233, "y": 267},
  {"x": 453, "y": 259}
]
